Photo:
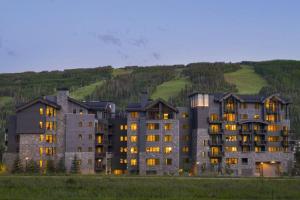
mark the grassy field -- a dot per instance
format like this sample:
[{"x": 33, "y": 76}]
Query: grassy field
[
  {"x": 169, "y": 88},
  {"x": 246, "y": 80},
  {"x": 141, "y": 188},
  {"x": 82, "y": 92}
]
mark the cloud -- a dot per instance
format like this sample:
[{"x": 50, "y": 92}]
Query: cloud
[
  {"x": 156, "y": 55},
  {"x": 110, "y": 39},
  {"x": 141, "y": 42}
]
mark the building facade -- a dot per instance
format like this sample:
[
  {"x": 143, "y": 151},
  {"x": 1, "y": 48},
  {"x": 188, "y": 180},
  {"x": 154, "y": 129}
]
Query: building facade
[{"x": 242, "y": 135}]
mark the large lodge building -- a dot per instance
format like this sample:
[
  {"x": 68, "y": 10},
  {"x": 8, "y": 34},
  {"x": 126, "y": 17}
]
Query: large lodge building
[{"x": 244, "y": 135}]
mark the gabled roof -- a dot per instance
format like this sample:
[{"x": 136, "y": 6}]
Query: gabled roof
[
  {"x": 227, "y": 95},
  {"x": 77, "y": 102},
  {"x": 37, "y": 100},
  {"x": 97, "y": 105},
  {"x": 159, "y": 100},
  {"x": 277, "y": 97}
]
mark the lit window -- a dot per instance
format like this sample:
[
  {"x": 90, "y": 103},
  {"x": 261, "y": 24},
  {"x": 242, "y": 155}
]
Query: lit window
[
  {"x": 121, "y": 138},
  {"x": 185, "y": 115},
  {"x": 229, "y": 117},
  {"x": 41, "y": 124},
  {"x": 49, "y": 138},
  {"x": 257, "y": 149},
  {"x": 273, "y": 128},
  {"x": 166, "y": 115},
  {"x": 99, "y": 149},
  {"x": 41, "y": 138},
  {"x": 49, "y": 125},
  {"x": 168, "y": 161},
  {"x": 41, "y": 111},
  {"x": 133, "y": 150},
  {"x": 133, "y": 138},
  {"x": 186, "y": 138},
  {"x": 133, "y": 126},
  {"x": 125, "y": 127},
  {"x": 41, "y": 150},
  {"x": 185, "y": 149},
  {"x": 134, "y": 114},
  {"x": 244, "y": 116},
  {"x": 41, "y": 163},
  {"x": 214, "y": 117},
  {"x": 152, "y": 138},
  {"x": 256, "y": 116},
  {"x": 270, "y": 118},
  {"x": 214, "y": 128},
  {"x": 274, "y": 149},
  {"x": 99, "y": 139},
  {"x": 168, "y": 138},
  {"x": 152, "y": 161},
  {"x": 152, "y": 126},
  {"x": 152, "y": 149},
  {"x": 273, "y": 138},
  {"x": 168, "y": 150},
  {"x": 121, "y": 127},
  {"x": 231, "y": 138},
  {"x": 123, "y": 149},
  {"x": 231, "y": 149},
  {"x": 214, "y": 161},
  {"x": 231, "y": 161},
  {"x": 230, "y": 127},
  {"x": 133, "y": 162},
  {"x": 49, "y": 111},
  {"x": 168, "y": 127}
]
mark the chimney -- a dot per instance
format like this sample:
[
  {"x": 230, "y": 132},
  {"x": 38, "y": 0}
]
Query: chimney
[
  {"x": 62, "y": 98},
  {"x": 144, "y": 98}
]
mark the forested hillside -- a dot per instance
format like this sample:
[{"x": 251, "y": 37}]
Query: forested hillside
[{"x": 172, "y": 83}]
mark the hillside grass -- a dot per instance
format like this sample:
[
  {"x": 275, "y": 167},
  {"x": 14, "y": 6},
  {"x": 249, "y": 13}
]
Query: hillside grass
[
  {"x": 246, "y": 80},
  {"x": 5, "y": 100},
  {"x": 121, "y": 71},
  {"x": 170, "y": 88},
  {"x": 85, "y": 91},
  {"x": 142, "y": 188}
]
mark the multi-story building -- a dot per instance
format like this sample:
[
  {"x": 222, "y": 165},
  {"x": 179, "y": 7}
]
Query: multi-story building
[{"x": 243, "y": 135}]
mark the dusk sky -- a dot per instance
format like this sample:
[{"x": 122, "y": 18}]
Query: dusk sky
[{"x": 38, "y": 35}]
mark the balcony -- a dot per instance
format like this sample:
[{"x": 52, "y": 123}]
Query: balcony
[
  {"x": 245, "y": 143},
  {"x": 213, "y": 120},
  {"x": 260, "y": 143},
  {"x": 214, "y": 132},
  {"x": 215, "y": 142},
  {"x": 216, "y": 154},
  {"x": 245, "y": 132}
]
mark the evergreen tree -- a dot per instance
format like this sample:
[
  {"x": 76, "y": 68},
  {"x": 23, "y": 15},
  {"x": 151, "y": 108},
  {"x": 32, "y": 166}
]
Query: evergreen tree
[
  {"x": 17, "y": 166},
  {"x": 61, "y": 166},
  {"x": 75, "y": 168}
]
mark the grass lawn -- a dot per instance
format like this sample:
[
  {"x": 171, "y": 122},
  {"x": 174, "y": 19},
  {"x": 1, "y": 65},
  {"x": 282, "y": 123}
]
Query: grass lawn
[
  {"x": 82, "y": 92},
  {"x": 4, "y": 100},
  {"x": 142, "y": 188},
  {"x": 246, "y": 80},
  {"x": 169, "y": 88}
]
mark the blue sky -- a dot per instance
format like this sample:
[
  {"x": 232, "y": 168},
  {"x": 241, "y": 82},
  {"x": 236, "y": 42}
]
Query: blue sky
[{"x": 38, "y": 35}]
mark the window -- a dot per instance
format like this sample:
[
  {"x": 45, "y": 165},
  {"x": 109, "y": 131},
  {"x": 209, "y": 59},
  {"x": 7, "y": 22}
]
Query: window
[
  {"x": 133, "y": 138},
  {"x": 244, "y": 116},
  {"x": 80, "y": 137},
  {"x": 79, "y": 149},
  {"x": 41, "y": 163},
  {"x": 185, "y": 126},
  {"x": 200, "y": 100},
  {"x": 123, "y": 149},
  {"x": 99, "y": 149},
  {"x": 203, "y": 154},
  {"x": 99, "y": 139},
  {"x": 245, "y": 149},
  {"x": 49, "y": 138},
  {"x": 167, "y": 150},
  {"x": 166, "y": 115},
  {"x": 273, "y": 128},
  {"x": 214, "y": 161},
  {"x": 185, "y": 115},
  {"x": 80, "y": 124},
  {"x": 256, "y": 106},
  {"x": 152, "y": 161},
  {"x": 74, "y": 111},
  {"x": 168, "y": 127},
  {"x": 231, "y": 138},
  {"x": 270, "y": 118},
  {"x": 244, "y": 161},
  {"x": 273, "y": 138},
  {"x": 152, "y": 126},
  {"x": 231, "y": 149},
  {"x": 186, "y": 138},
  {"x": 133, "y": 162},
  {"x": 90, "y": 136},
  {"x": 134, "y": 114},
  {"x": 257, "y": 149},
  {"x": 243, "y": 105},
  {"x": 214, "y": 128},
  {"x": 168, "y": 138},
  {"x": 121, "y": 127},
  {"x": 185, "y": 149},
  {"x": 90, "y": 124},
  {"x": 41, "y": 124},
  {"x": 186, "y": 160},
  {"x": 90, "y": 149},
  {"x": 214, "y": 117},
  {"x": 152, "y": 149},
  {"x": 229, "y": 117},
  {"x": 256, "y": 116},
  {"x": 274, "y": 149},
  {"x": 152, "y": 138},
  {"x": 231, "y": 161},
  {"x": 133, "y": 126},
  {"x": 41, "y": 138},
  {"x": 49, "y": 111},
  {"x": 230, "y": 127},
  {"x": 168, "y": 161},
  {"x": 125, "y": 127},
  {"x": 122, "y": 138},
  {"x": 133, "y": 150},
  {"x": 41, "y": 111},
  {"x": 41, "y": 150}
]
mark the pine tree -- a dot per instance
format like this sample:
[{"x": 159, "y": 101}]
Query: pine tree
[
  {"x": 17, "y": 166},
  {"x": 61, "y": 166},
  {"x": 75, "y": 168}
]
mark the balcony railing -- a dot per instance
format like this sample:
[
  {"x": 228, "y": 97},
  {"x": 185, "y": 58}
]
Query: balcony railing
[
  {"x": 260, "y": 143},
  {"x": 260, "y": 132},
  {"x": 213, "y": 120},
  {"x": 243, "y": 143},
  {"x": 214, "y": 132},
  {"x": 245, "y": 132},
  {"x": 216, "y": 154},
  {"x": 215, "y": 142}
]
